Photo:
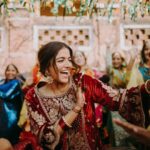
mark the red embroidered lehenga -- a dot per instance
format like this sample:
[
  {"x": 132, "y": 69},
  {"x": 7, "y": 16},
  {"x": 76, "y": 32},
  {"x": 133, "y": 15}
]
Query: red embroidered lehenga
[{"x": 45, "y": 112}]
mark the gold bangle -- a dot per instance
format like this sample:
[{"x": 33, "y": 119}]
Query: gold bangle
[
  {"x": 146, "y": 88},
  {"x": 76, "y": 109},
  {"x": 66, "y": 122}
]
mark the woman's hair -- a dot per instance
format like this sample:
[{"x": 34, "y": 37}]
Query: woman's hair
[
  {"x": 47, "y": 54},
  {"x": 15, "y": 67},
  {"x": 81, "y": 52},
  {"x": 122, "y": 55},
  {"x": 146, "y": 45},
  {"x": 78, "y": 67}
]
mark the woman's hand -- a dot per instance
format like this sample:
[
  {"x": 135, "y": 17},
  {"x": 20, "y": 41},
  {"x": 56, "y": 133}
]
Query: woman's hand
[
  {"x": 142, "y": 134},
  {"x": 57, "y": 131},
  {"x": 80, "y": 97}
]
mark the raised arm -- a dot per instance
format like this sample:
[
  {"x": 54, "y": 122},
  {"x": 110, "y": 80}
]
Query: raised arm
[{"x": 127, "y": 102}]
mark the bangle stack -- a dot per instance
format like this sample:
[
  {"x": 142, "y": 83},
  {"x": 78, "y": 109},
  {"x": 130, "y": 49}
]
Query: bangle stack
[
  {"x": 63, "y": 124},
  {"x": 66, "y": 122},
  {"x": 146, "y": 86},
  {"x": 76, "y": 109}
]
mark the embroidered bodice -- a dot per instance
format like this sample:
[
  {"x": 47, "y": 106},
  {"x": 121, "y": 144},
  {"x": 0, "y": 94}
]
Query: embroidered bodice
[
  {"x": 45, "y": 113},
  {"x": 57, "y": 106}
]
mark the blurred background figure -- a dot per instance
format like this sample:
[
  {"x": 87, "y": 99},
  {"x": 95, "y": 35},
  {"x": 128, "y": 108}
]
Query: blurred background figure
[
  {"x": 12, "y": 72},
  {"x": 141, "y": 134},
  {"x": 81, "y": 61},
  {"x": 141, "y": 68},
  {"x": 140, "y": 74},
  {"x": 119, "y": 74},
  {"x": 11, "y": 100},
  {"x": 36, "y": 74}
]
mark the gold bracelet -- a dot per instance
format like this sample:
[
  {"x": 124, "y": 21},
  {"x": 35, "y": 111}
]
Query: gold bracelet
[
  {"x": 66, "y": 122},
  {"x": 76, "y": 109},
  {"x": 146, "y": 88}
]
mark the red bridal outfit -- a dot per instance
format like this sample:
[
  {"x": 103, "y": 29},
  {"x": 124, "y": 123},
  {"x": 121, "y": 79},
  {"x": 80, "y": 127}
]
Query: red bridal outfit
[{"x": 45, "y": 113}]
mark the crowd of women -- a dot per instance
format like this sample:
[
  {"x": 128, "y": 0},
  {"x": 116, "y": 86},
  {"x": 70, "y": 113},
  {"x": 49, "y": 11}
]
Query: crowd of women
[{"x": 67, "y": 108}]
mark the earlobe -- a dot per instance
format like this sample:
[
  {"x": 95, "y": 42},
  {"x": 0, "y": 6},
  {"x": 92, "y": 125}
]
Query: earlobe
[
  {"x": 46, "y": 73},
  {"x": 47, "y": 77}
]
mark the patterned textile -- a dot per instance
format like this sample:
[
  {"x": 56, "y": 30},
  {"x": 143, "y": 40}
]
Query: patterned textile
[
  {"x": 119, "y": 78},
  {"x": 145, "y": 71},
  {"x": 45, "y": 112},
  {"x": 27, "y": 141},
  {"x": 139, "y": 75}
]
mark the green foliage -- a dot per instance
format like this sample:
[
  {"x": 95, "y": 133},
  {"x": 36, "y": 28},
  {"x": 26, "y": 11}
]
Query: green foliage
[{"x": 89, "y": 7}]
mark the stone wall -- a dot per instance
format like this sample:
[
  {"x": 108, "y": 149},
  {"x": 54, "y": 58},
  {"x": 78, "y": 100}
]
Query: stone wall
[{"x": 22, "y": 33}]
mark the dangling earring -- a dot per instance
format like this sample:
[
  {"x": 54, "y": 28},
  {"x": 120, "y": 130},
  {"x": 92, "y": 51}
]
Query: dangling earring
[{"x": 48, "y": 79}]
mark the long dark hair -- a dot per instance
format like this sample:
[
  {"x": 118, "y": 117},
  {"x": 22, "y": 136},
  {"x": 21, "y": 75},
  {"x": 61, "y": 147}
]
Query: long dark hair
[
  {"x": 19, "y": 76},
  {"x": 47, "y": 54},
  {"x": 145, "y": 46},
  {"x": 14, "y": 66}
]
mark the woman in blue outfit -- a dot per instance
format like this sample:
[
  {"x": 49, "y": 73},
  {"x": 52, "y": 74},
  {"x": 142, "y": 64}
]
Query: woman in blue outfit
[
  {"x": 144, "y": 69},
  {"x": 11, "y": 99}
]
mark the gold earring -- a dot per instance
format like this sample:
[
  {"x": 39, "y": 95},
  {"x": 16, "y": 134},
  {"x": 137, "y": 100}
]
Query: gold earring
[{"x": 48, "y": 79}]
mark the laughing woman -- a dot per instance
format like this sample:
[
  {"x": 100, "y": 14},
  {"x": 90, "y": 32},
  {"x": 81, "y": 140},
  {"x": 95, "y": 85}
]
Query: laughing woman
[{"x": 61, "y": 108}]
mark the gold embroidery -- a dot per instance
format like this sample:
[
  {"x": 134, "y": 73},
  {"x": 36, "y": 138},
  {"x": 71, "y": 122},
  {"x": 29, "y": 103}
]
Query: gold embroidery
[
  {"x": 111, "y": 92},
  {"x": 39, "y": 119}
]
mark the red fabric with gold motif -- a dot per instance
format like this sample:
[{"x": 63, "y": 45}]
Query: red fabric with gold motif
[{"x": 44, "y": 113}]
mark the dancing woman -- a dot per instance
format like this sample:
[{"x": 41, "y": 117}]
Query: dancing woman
[{"x": 61, "y": 109}]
